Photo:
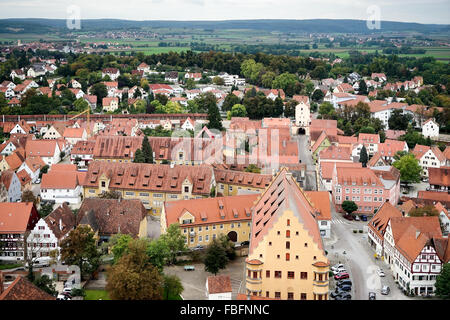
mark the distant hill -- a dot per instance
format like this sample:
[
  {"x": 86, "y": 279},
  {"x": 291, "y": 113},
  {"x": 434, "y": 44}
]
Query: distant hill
[{"x": 293, "y": 26}]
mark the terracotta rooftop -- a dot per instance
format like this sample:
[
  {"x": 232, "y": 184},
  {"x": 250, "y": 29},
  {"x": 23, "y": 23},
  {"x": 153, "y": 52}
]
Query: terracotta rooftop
[
  {"x": 15, "y": 216},
  {"x": 112, "y": 216},
  {"x": 154, "y": 177},
  {"x": 336, "y": 153},
  {"x": 61, "y": 221},
  {"x": 40, "y": 148},
  {"x": 60, "y": 180},
  {"x": 320, "y": 200},
  {"x": 380, "y": 220},
  {"x": 248, "y": 179},
  {"x": 360, "y": 176},
  {"x": 219, "y": 284},
  {"x": 211, "y": 210},
  {"x": 327, "y": 168},
  {"x": 110, "y": 147},
  {"x": 439, "y": 176},
  {"x": 22, "y": 289}
]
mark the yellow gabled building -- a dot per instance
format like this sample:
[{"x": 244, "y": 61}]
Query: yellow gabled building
[{"x": 286, "y": 255}]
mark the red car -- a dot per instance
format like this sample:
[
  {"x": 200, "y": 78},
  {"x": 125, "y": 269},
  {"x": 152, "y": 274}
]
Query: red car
[
  {"x": 341, "y": 276},
  {"x": 348, "y": 217}
]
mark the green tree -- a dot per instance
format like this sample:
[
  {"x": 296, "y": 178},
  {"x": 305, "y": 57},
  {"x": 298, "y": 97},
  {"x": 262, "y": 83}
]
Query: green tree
[
  {"x": 442, "y": 283},
  {"x": 46, "y": 284},
  {"x": 398, "y": 120},
  {"x": 158, "y": 253},
  {"x": 175, "y": 241},
  {"x": 147, "y": 150},
  {"x": 139, "y": 156},
  {"x": 349, "y": 206},
  {"x": 119, "y": 245},
  {"x": 133, "y": 277},
  {"x": 363, "y": 157},
  {"x": 216, "y": 257},
  {"x": 238, "y": 110},
  {"x": 426, "y": 211},
  {"x": 28, "y": 196},
  {"x": 362, "y": 87},
  {"x": 172, "y": 286},
  {"x": 230, "y": 101},
  {"x": 214, "y": 118},
  {"x": 285, "y": 81},
  {"x": 410, "y": 170},
  {"x": 317, "y": 95},
  {"x": 80, "y": 105},
  {"x": 252, "y": 168},
  {"x": 99, "y": 90},
  {"x": 267, "y": 79},
  {"x": 228, "y": 245},
  {"x": 80, "y": 248}
]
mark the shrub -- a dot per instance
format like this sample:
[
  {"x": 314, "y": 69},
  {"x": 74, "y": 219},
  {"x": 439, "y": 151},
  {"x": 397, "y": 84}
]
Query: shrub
[
  {"x": 360, "y": 231},
  {"x": 355, "y": 231}
]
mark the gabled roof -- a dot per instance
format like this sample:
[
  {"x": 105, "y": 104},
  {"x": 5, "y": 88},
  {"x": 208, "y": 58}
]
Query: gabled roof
[
  {"x": 281, "y": 195},
  {"x": 59, "y": 180},
  {"x": 14, "y": 216},
  {"x": 320, "y": 200},
  {"x": 40, "y": 148},
  {"x": 219, "y": 284},
  {"x": 113, "y": 216},
  {"x": 22, "y": 289},
  {"x": 319, "y": 141},
  {"x": 439, "y": 176},
  {"x": 380, "y": 220},
  {"x": 61, "y": 221}
]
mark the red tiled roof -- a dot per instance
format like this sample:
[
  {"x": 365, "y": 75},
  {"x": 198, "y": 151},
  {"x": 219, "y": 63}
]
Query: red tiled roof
[
  {"x": 321, "y": 202},
  {"x": 219, "y": 284},
  {"x": 22, "y": 289},
  {"x": 59, "y": 180},
  {"x": 15, "y": 216},
  {"x": 439, "y": 176},
  {"x": 380, "y": 220}
]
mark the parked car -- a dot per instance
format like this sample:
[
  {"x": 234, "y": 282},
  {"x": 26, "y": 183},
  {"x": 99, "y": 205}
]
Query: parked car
[
  {"x": 380, "y": 272},
  {"x": 342, "y": 282},
  {"x": 189, "y": 268},
  {"x": 67, "y": 289},
  {"x": 357, "y": 218},
  {"x": 38, "y": 181},
  {"x": 337, "y": 266},
  {"x": 385, "y": 290},
  {"x": 340, "y": 276},
  {"x": 199, "y": 247},
  {"x": 345, "y": 288},
  {"x": 62, "y": 297},
  {"x": 344, "y": 296},
  {"x": 363, "y": 217},
  {"x": 340, "y": 270},
  {"x": 372, "y": 296},
  {"x": 348, "y": 217}
]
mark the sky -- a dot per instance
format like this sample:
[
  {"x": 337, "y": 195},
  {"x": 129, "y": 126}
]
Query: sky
[{"x": 421, "y": 11}]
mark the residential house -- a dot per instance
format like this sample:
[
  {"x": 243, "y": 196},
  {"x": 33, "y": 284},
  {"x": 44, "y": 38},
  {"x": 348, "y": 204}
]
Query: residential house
[
  {"x": 320, "y": 200},
  {"x": 110, "y": 104},
  {"x": 17, "y": 219},
  {"x": 11, "y": 182},
  {"x": 73, "y": 135},
  {"x": 171, "y": 76},
  {"x": 113, "y": 73},
  {"x": 48, "y": 233},
  {"x": 326, "y": 171},
  {"x": 429, "y": 157},
  {"x": 108, "y": 217},
  {"x": 83, "y": 152},
  {"x": 61, "y": 186},
  {"x": 430, "y": 129},
  {"x": 48, "y": 150},
  {"x": 22, "y": 289},
  {"x": 378, "y": 224},
  {"x": 302, "y": 112},
  {"x": 439, "y": 179},
  {"x": 17, "y": 73}
]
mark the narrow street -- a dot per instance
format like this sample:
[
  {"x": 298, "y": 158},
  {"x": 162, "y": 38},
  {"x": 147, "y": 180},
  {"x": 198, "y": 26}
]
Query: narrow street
[{"x": 304, "y": 156}]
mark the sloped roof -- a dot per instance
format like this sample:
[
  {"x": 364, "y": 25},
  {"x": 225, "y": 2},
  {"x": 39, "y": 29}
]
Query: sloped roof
[
  {"x": 61, "y": 221},
  {"x": 22, "y": 289},
  {"x": 380, "y": 220},
  {"x": 219, "y": 284},
  {"x": 14, "y": 216}
]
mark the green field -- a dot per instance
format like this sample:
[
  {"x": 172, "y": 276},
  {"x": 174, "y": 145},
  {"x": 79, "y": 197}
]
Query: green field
[{"x": 96, "y": 295}]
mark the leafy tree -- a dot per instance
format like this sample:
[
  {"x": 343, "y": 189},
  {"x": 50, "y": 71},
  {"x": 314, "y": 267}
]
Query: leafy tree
[
  {"x": 238, "y": 110},
  {"x": 228, "y": 245},
  {"x": 161, "y": 98},
  {"x": 147, "y": 150},
  {"x": 172, "y": 286},
  {"x": 289, "y": 110},
  {"x": 410, "y": 170},
  {"x": 278, "y": 107},
  {"x": 119, "y": 245},
  {"x": 216, "y": 257},
  {"x": 214, "y": 118},
  {"x": 80, "y": 248},
  {"x": 158, "y": 253},
  {"x": 326, "y": 108},
  {"x": 367, "y": 129},
  {"x": 133, "y": 277},
  {"x": 139, "y": 157},
  {"x": 362, "y": 87},
  {"x": 218, "y": 81},
  {"x": 175, "y": 241},
  {"x": 363, "y": 157},
  {"x": 252, "y": 168},
  {"x": 426, "y": 211},
  {"x": 28, "y": 196},
  {"x": 442, "y": 283},
  {"x": 398, "y": 120},
  {"x": 287, "y": 82},
  {"x": 230, "y": 101},
  {"x": 317, "y": 95},
  {"x": 267, "y": 79},
  {"x": 99, "y": 90},
  {"x": 413, "y": 137},
  {"x": 45, "y": 210},
  {"x": 46, "y": 284},
  {"x": 349, "y": 206}
]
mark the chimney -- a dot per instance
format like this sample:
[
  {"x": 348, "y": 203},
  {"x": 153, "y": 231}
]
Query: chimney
[
  {"x": 417, "y": 234},
  {"x": 1, "y": 283}
]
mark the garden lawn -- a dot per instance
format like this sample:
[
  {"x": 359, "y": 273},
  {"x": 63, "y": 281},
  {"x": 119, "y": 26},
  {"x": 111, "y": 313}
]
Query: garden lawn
[{"x": 96, "y": 295}]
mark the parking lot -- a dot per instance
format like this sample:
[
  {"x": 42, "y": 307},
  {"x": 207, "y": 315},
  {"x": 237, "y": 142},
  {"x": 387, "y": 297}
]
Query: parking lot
[{"x": 194, "y": 282}]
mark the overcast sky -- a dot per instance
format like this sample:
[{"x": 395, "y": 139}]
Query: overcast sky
[{"x": 422, "y": 11}]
